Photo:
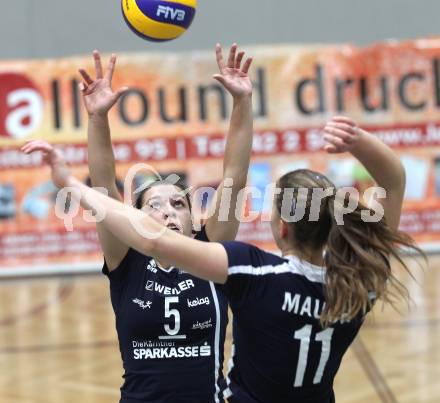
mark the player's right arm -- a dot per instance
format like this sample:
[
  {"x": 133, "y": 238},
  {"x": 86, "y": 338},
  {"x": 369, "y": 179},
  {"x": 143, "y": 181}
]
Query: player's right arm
[
  {"x": 342, "y": 134},
  {"x": 99, "y": 98}
]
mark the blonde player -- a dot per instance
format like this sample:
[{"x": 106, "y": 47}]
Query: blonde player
[{"x": 295, "y": 315}]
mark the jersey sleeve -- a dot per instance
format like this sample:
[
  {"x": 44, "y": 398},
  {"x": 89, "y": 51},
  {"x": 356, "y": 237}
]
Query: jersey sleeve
[
  {"x": 201, "y": 235},
  {"x": 247, "y": 266},
  {"x": 119, "y": 276}
]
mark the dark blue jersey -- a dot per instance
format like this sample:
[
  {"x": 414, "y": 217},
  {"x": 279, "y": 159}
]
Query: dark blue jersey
[
  {"x": 171, "y": 328},
  {"x": 281, "y": 353}
]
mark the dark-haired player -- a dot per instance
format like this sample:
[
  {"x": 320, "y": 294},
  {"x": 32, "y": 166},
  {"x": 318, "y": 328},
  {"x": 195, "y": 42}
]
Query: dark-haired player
[
  {"x": 296, "y": 315},
  {"x": 171, "y": 325}
]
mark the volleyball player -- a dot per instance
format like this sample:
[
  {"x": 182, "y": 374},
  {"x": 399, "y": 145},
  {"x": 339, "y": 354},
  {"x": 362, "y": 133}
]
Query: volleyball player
[
  {"x": 171, "y": 326},
  {"x": 295, "y": 315}
]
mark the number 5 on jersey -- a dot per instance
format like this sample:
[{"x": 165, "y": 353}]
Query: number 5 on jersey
[{"x": 172, "y": 331}]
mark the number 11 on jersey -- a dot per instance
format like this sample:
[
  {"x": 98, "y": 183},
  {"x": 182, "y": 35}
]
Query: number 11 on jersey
[{"x": 303, "y": 335}]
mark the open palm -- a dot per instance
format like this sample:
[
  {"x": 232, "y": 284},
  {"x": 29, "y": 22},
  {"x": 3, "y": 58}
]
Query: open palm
[
  {"x": 98, "y": 94},
  {"x": 233, "y": 76}
]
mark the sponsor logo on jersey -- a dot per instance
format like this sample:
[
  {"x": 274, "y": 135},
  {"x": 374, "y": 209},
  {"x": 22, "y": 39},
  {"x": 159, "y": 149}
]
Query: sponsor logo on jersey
[
  {"x": 204, "y": 325},
  {"x": 149, "y": 286},
  {"x": 154, "y": 353},
  {"x": 153, "y": 343},
  {"x": 164, "y": 290},
  {"x": 143, "y": 304},
  {"x": 151, "y": 266},
  {"x": 198, "y": 301}
]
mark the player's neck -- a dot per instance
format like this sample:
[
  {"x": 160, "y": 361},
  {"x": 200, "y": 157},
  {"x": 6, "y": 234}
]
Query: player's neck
[
  {"x": 314, "y": 257},
  {"x": 163, "y": 265}
]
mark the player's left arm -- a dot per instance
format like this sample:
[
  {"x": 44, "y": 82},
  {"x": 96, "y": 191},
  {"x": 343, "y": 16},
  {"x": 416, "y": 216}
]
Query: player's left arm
[
  {"x": 223, "y": 225},
  {"x": 343, "y": 135}
]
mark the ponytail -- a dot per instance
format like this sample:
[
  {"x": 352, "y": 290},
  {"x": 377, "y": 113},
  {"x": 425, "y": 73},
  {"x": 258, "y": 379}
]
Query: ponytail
[
  {"x": 357, "y": 253},
  {"x": 357, "y": 261}
]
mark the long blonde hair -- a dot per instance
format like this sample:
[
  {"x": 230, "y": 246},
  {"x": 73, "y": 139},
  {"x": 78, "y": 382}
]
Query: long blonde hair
[{"x": 357, "y": 254}]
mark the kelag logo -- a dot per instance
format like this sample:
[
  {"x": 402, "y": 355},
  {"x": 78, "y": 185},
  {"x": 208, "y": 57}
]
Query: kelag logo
[{"x": 21, "y": 106}]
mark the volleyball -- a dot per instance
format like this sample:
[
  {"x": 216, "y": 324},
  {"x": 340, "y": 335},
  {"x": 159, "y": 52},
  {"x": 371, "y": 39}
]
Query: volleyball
[{"x": 159, "y": 20}]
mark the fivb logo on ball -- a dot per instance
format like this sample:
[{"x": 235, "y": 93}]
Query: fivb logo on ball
[
  {"x": 174, "y": 14},
  {"x": 159, "y": 20},
  {"x": 21, "y": 106}
]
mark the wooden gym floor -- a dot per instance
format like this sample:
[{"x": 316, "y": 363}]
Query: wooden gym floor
[{"x": 58, "y": 344}]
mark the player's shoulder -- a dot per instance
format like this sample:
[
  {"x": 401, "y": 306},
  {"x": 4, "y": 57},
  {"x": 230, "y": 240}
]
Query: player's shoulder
[
  {"x": 135, "y": 258},
  {"x": 249, "y": 259},
  {"x": 131, "y": 266},
  {"x": 201, "y": 235},
  {"x": 242, "y": 254}
]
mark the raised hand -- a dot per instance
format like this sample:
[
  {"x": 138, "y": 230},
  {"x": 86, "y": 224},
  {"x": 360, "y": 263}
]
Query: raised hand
[
  {"x": 340, "y": 134},
  {"x": 61, "y": 175},
  {"x": 233, "y": 76},
  {"x": 98, "y": 94}
]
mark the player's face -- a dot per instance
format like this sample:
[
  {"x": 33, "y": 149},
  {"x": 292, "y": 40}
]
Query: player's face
[{"x": 168, "y": 205}]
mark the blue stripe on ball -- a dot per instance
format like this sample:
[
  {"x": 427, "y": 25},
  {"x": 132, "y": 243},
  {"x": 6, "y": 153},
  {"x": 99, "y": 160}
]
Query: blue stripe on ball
[
  {"x": 162, "y": 11},
  {"x": 141, "y": 35}
]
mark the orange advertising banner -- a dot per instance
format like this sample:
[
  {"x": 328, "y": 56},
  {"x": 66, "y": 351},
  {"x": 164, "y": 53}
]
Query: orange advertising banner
[{"x": 175, "y": 116}]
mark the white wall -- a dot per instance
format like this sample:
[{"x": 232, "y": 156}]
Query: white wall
[{"x": 52, "y": 28}]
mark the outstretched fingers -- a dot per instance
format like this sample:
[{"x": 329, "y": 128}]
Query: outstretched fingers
[
  {"x": 235, "y": 59},
  {"x": 219, "y": 57},
  {"x": 247, "y": 65},
  {"x": 98, "y": 64},
  {"x": 86, "y": 77},
  {"x": 239, "y": 60},
  {"x": 232, "y": 55},
  {"x": 111, "y": 67}
]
